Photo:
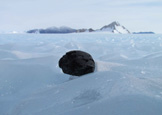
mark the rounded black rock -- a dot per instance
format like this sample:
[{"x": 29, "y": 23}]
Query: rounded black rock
[{"x": 77, "y": 63}]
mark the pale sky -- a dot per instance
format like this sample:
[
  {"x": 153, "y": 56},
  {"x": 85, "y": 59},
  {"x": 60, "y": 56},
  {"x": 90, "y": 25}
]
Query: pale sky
[{"x": 135, "y": 15}]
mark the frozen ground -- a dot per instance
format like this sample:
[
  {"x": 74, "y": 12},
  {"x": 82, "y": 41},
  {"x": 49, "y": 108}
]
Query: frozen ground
[{"x": 127, "y": 80}]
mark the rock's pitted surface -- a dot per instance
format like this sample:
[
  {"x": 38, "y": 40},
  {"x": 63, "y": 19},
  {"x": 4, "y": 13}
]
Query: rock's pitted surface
[{"x": 77, "y": 63}]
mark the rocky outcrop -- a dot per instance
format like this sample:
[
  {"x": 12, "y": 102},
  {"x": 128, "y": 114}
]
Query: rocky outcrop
[
  {"x": 143, "y": 33},
  {"x": 53, "y": 30},
  {"x": 85, "y": 30}
]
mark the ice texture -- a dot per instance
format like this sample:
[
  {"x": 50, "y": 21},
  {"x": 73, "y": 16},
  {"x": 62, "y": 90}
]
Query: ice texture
[{"x": 127, "y": 79}]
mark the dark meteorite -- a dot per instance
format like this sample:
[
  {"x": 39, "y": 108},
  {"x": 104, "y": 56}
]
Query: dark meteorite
[{"x": 77, "y": 63}]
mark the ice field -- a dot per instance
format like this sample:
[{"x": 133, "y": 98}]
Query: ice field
[{"x": 127, "y": 79}]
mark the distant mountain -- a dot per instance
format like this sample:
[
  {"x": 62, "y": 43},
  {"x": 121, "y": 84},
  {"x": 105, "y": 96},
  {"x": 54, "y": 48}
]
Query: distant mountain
[
  {"x": 53, "y": 30},
  {"x": 85, "y": 30},
  {"x": 143, "y": 33},
  {"x": 114, "y": 27}
]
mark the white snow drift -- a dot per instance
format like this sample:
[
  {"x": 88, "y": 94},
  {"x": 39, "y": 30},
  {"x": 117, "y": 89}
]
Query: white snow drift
[{"x": 127, "y": 79}]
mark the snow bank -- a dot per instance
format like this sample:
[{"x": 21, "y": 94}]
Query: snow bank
[{"x": 127, "y": 79}]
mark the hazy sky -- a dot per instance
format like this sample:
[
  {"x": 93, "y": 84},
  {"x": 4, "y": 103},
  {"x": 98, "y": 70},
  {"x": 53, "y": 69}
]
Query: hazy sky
[{"x": 135, "y": 15}]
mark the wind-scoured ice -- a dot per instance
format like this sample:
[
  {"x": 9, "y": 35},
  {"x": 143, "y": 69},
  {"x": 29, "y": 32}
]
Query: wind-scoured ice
[{"x": 127, "y": 79}]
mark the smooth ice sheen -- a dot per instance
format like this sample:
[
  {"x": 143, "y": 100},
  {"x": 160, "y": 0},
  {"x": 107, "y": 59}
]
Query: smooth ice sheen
[{"x": 127, "y": 79}]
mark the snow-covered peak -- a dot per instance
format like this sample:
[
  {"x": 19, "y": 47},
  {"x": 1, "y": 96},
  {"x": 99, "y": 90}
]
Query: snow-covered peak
[
  {"x": 115, "y": 27},
  {"x": 113, "y": 24}
]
